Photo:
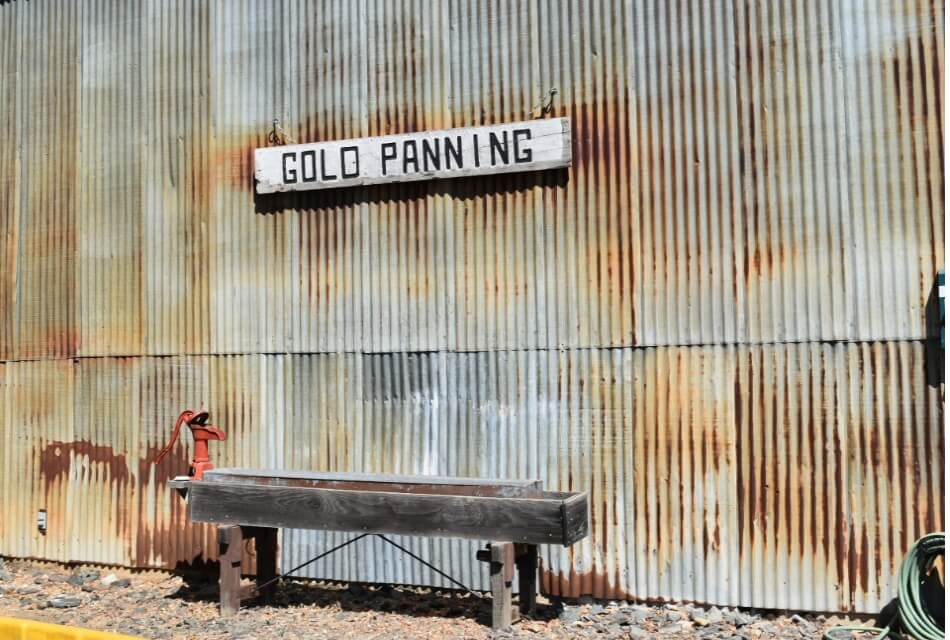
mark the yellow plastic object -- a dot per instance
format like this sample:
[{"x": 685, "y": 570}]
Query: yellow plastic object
[{"x": 17, "y": 629}]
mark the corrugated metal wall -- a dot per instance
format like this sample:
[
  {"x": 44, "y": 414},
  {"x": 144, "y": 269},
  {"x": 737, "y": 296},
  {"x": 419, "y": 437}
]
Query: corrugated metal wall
[{"x": 715, "y": 321}]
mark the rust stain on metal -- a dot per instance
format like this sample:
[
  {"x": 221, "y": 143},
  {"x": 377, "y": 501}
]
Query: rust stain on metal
[
  {"x": 168, "y": 544},
  {"x": 575, "y": 584},
  {"x": 56, "y": 458},
  {"x": 231, "y": 164}
]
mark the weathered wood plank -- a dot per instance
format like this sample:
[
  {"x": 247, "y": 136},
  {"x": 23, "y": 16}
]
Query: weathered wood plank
[
  {"x": 230, "y": 543},
  {"x": 526, "y": 558},
  {"x": 512, "y": 147},
  {"x": 515, "y": 519},
  {"x": 365, "y": 477},
  {"x": 501, "y": 574},
  {"x": 265, "y": 545},
  {"x": 575, "y": 518},
  {"x": 368, "y": 482}
]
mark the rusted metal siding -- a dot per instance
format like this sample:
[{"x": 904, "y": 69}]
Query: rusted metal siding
[
  {"x": 714, "y": 322},
  {"x": 736, "y": 167},
  {"x": 109, "y": 252},
  {"x": 787, "y": 476},
  {"x": 839, "y": 469},
  {"x": 40, "y": 214},
  {"x": 9, "y": 160},
  {"x": 842, "y": 181},
  {"x": 80, "y": 440}
]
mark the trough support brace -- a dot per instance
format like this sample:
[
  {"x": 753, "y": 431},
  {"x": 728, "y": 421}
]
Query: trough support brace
[
  {"x": 502, "y": 572},
  {"x": 230, "y": 545},
  {"x": 265, "y": 543},
  {"x": 503, "y": 557},
  {"x": 230, "y": 541},
  {"x": 526, "y": 557}
]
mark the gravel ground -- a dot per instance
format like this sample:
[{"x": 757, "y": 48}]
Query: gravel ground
[{"x": 164, "y": 605}]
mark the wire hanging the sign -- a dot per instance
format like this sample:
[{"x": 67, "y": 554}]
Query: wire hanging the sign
[{"x": 278, "y": 136}]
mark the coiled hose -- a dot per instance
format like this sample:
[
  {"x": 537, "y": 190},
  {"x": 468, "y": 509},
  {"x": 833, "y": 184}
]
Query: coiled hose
[{"x": 915, "y": 620}]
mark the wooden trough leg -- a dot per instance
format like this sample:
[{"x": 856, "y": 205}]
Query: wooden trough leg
[
  {"x": 502, "y": 573},
  {"x": 230, "y": 542},
  {"x": 526, "y": 557},
  {"x": 265, "y": 542}
]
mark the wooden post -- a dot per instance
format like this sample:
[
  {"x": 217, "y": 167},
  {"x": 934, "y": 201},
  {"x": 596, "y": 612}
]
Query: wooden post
[
  {"x": 230, "y": 541},
  {"x": 502, "y": 572},
  {"x": 265, "y": 542},
  {"x": 526, "y": 557}
]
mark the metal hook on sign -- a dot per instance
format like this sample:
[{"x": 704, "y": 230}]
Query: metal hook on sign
[
  {"x": 549, "y": 107},
  {"x": 273, "y": 137},
  {"x": 546, "y": 105},
  {"x": 278, "y": 135}
]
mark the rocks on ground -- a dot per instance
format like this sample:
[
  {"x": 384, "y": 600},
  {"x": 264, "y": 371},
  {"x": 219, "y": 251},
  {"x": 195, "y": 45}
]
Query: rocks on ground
[
  {"x": 169, "y": 607},
  {"x": 115, "y": 582},
  {"x": 82, "y": 576},
  {"x": 64, "y": 602}
]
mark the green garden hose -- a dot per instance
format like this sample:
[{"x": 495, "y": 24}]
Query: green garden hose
[{"x": 915, "y": 620}]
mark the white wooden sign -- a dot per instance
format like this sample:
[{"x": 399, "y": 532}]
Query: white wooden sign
[{"x": 451, "y": 153}]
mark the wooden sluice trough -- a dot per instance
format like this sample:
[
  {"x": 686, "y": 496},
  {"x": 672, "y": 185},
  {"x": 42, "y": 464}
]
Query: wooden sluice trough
[{"x": 515, "y": 515}]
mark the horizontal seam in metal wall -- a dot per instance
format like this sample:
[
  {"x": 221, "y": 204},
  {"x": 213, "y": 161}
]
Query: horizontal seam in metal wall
[{"x": 724, "y": 345}]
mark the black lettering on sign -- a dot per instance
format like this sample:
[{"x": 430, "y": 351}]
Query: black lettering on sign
[
  {"x": 496, "y": 145},
  {"x": 310, "y": 176},
  {"x": 387, "y": 152},
  {"x": 290, "y": 174},
  {"x": 356, "y": 161},
  {"x": 326, "y": 177},
  {"x": 475, "y": 147},
  {"x": 430, "y": 151},
  {"x": 526, "y": 134},
  {"x": 408, "y": 158},
  {"x": 453, "y": 152}
]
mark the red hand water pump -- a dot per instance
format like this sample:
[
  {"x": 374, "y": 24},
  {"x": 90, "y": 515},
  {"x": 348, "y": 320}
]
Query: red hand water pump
[{"x": 202, "y": 432}]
